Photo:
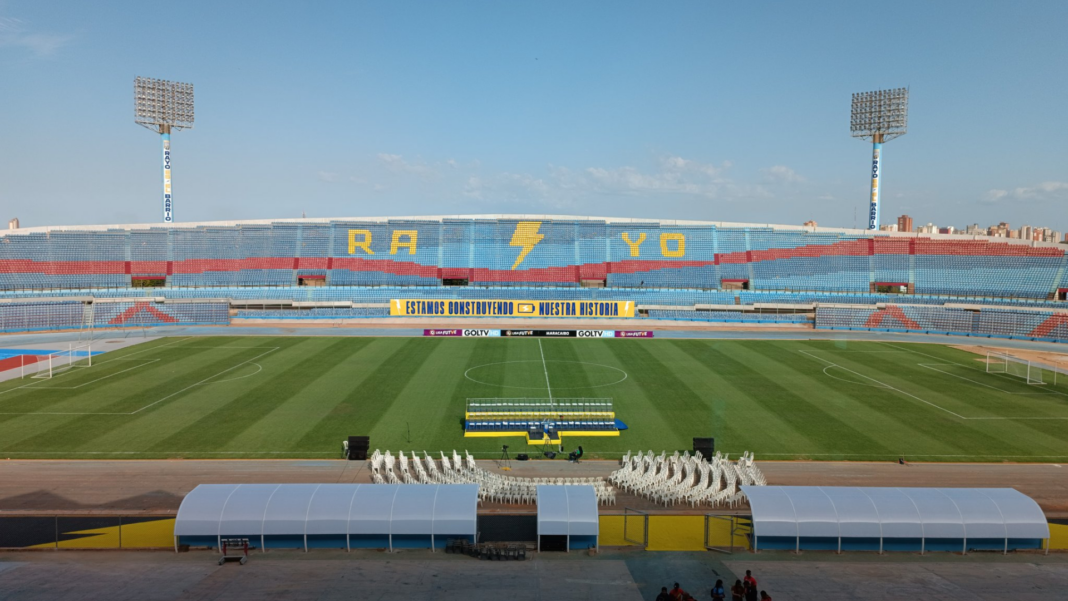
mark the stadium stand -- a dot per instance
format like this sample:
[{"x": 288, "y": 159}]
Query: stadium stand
[
  {"x": 989, "y": 322},
  {"x": 673, "y": 269}
]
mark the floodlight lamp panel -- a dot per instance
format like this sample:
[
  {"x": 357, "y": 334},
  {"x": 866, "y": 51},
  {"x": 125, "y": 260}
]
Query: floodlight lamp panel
[
  {"x": 159, "y": 103},
  {"x": 881, "y": 113}
]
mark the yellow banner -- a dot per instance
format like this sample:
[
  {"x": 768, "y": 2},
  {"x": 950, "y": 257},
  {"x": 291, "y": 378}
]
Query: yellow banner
[{"x": 510, "y": 308}]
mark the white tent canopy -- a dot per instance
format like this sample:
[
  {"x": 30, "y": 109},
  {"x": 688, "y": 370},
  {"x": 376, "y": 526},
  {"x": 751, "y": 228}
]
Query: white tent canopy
[
  {"x": 923, "y": 514},
  {"x": 569, "y": 511},
  {"x": 341, "y": 511}
]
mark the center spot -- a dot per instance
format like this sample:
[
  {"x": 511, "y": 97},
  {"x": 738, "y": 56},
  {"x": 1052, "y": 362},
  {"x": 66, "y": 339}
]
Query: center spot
[{"x": 530, "y": 374}]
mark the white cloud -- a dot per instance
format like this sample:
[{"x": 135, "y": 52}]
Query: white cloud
[
  {"x": 1040, "y": 192},
  {"x": 563, "y": 187},
  {"x": 14, "y": 33},
  {"x": 782, "y": 174},
  {"x": 326, "y": 176},
  {"x": 397, "y": 163}
]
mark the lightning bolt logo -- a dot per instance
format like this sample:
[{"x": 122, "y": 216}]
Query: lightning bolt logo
[{"x": 526, "y": 237}]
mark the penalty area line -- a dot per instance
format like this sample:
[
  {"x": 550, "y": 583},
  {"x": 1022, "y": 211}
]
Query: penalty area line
[
  {"x": 909, "y": 394},
  {"x": 205, "y": 380},
  {"x": 884, "y": 384}
]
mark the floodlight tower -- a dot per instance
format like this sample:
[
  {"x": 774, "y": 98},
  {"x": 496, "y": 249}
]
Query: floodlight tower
[
  {"x": 161, "y": 106},
  {"x": 880, "y": 116}
]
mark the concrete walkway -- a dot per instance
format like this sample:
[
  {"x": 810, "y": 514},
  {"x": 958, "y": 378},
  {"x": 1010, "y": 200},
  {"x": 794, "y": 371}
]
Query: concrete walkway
[{"x": 142, "y": 486}]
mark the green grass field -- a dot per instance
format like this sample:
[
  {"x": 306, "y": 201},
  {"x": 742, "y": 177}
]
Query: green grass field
[{"x": 300, "y": 397}]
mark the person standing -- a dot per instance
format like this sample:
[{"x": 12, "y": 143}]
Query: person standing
[
  {"x": 718, "y": 592},
  {"x": 738, "y": 591},
  {"x": 663, "y": 596},
  {"x": 749, "y": 581},
  {"x": 678, "y": 594}
]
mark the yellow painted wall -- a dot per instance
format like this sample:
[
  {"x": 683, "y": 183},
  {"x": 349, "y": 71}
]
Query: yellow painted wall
[
  {"x": 154, "y": 534},
  {"x": 676, "y": 533},
  {"x": 142, "y": 535},
  {"x": 669, "y": 532},
  {"x": 719, "y": 533},
  {"x": 103, "y": 538},
  {"x": 1058, "y": 536},
  {"x": 611, "y": 533}
]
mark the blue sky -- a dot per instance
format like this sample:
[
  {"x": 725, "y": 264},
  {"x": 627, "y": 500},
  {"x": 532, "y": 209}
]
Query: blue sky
[{"x": 688, "y": 110}]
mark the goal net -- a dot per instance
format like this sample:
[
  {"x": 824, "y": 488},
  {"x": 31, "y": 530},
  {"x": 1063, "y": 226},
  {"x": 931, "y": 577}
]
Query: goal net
[
  {"x": 59, "y": 362},
  {"x": 1001, "y": 363}
]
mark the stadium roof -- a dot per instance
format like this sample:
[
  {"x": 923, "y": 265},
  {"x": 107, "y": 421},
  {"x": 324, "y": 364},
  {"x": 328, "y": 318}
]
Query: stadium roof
[
  {"x": 328, "y": 509},
  {"x": 877, "y": 513},
  {"x": 513, "y": 217},
  {"x": 567, "y": 511}
]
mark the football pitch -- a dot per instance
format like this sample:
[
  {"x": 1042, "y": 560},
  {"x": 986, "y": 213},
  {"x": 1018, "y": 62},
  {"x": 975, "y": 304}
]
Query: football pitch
[{"x": 299, "y": 397}]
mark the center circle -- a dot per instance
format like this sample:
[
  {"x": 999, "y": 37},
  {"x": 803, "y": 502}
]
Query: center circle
[{"x": 531, "y": 374}]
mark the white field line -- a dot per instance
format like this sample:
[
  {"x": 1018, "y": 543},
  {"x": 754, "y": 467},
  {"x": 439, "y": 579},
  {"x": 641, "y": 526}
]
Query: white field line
[
  {"x": 223, "y": 348},
  {"x": 205, "y": 380},
  {"x": 845, "y": 380},
  {"x": 1009, "y": 378},
  {"x": 259, "y": 368},
  {"x": 229, "y": 369},
  {"x": 885, "y": 385},
  {"x": 909, "y": 394},
  {"x": 59, "y": 375},
  {"x": 545, "y": 368},
  {"x": 91, "y": 381},
  {"x": 844, "y": 351},
  {"x": 933, "y": 366}
]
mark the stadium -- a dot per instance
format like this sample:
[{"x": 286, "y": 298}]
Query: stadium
[
  {"x": 550, "y": 375},
  {"x": 528, "y": 337},
  {"x": 789, "y": 290}
]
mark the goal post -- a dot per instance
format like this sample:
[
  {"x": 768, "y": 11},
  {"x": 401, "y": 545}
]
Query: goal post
[
  {"x": 1035, "y": 374},
  {"x": 1003, "y": 363},
  {"x": 56, "y": 363},
  {"x": 996, "y": 363},
  {"x": 81, "y": 355}
]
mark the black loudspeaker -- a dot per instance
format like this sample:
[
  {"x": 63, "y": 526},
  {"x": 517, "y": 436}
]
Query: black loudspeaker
[
  {"x": 707, "y": 446},
  {"x": 358, "y": 446}
]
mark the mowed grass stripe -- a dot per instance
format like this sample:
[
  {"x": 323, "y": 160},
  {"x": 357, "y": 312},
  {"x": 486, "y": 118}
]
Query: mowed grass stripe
[
  {"x": 899, "y": 424},
  {"x": 732, "y": 411},
  {"x": 426, "y": 406},
  {"x": 40, "y": 432},
  {"x": 288, "y": 423},
  {"x": 365, "y": 405},
  {"x": 1010, "y": 437},
  {"x": 568, "y": 372},
  {"x": 755, "y": 424},
  {"x": 341, "y": 420},
  {"x": 309, "y": 359},
  {"x": 45, "y": 395},
  {"x": 762, "y": 396},
  {"x": 665, "y": 405},
  {"x": 746, "y": 367},
  {"x": 450, "y": 434},
  {"x": 937, "y": 427},
  {"x": 141, "y": 431}
]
